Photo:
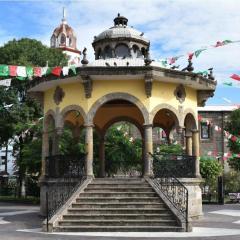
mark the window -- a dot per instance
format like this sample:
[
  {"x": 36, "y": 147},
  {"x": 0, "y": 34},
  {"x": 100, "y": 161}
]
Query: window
[
  {"x": 53, "y": 41},
  {"x": 205, "y": 130},
  {"x": 107, "y": 52},
  {"x": 63, "y": 39},
  {"x": 136, "y": 52},
  {"x": 122, "y": 51}
]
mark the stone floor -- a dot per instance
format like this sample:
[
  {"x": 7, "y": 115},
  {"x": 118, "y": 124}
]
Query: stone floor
[{"x": 22, "y": 222}]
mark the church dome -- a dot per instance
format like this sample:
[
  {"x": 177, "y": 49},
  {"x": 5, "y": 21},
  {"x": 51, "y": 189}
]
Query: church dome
[
  {"x": 120, "y": 41},
  {"x": 64, "y": 36}
]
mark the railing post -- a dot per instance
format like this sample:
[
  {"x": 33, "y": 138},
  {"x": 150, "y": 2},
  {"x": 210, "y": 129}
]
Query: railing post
[{"x": 47, "y": 209}]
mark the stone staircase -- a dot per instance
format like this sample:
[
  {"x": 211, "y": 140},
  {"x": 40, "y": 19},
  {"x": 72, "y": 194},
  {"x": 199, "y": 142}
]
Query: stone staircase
[{"x": 118, "y": 205}]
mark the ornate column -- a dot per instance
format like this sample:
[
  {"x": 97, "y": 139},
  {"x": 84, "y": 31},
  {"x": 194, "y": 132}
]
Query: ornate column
[
  {"x": 195, "y": 151},
  {"x": 180, "y": 132},
  {"x": 188, "y": 138},
  {"x": 102, "y": 156},
  {"x": 89, "y": 150},
  {"x": 148, "y": 148},
  {"x": 45, "y": 152},
  {"x": 56, "y": 138}
]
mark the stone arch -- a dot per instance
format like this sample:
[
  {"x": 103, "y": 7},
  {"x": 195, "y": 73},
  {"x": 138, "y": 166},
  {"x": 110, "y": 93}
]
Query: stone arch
[
  {"x": 167, "y": 107},
  {"x": 47, "y": 115},
  {"x": 72, "y": 108},
  {"x": 190, "y": 111},
  {"x": 190, "y": 123},
  {"x": 119, "y": 119},
  {"x": 117, "y": 96}
]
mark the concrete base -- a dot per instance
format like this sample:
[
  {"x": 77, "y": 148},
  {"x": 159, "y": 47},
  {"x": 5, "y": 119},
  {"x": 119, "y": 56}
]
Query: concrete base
[{"x": 194, "y": 196}]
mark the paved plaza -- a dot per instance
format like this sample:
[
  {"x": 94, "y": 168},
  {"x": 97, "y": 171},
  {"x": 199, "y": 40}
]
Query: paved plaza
[{"x": 22, "y": 222}]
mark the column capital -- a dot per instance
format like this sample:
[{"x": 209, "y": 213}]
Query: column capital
[
  {"x": 147, "y": 125},
  {"x": 195, "y": 131},
  {"x": 89, "y": 125},
  {"x": 188, "y": 135}
]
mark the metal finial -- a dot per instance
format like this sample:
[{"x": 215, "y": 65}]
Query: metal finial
[{"x": 64, "y": 15}]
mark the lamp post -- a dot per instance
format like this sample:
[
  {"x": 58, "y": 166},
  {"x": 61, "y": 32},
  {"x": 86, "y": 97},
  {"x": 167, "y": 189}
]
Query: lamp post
[{"x": 220, "y": 185}]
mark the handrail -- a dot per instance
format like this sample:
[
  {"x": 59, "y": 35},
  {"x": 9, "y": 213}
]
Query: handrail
[{"x": 173, "y": 189}]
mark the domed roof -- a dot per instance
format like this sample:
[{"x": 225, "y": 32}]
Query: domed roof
[
  {"x": 121, "y": 30},
  {"x": 64, "y": 28}
]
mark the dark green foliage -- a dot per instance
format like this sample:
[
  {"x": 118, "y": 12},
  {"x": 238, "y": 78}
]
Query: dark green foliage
[
  {"x": 232, "y": 181},
  {"x": 30, "y": 52},
  {"x": 18, "y": 112},
  {"x": 233, "y": 126},
  {"x": 171, "y": 149},
  {"x": 123, "y": 153},
  {"x": 210, "y": 169}
]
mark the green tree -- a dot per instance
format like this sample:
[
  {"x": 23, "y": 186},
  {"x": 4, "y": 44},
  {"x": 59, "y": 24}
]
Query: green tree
[
  {"x": 210, "y": 169},
  {"x": 18, "y": 112},
  {"x": 233, "y": 127}
]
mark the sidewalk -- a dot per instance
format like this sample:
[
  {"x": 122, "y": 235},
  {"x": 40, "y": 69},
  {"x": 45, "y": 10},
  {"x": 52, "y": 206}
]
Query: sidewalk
[{"x": 22, "y": 222}]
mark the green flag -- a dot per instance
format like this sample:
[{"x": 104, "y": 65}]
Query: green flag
[
  {"x": 29, "y": 71},
  {"x": 226, "y": 42},
  {"x": 199, "y": 51},
  {"x": 203, "y": 72},
  {"x": 4, "y": 71},
  {"x": 73, "y": 68},
  {"x": 227, "y": 84},
  {"x": 21, "y": 78}
]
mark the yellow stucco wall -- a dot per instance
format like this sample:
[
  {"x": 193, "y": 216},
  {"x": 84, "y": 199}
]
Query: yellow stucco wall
[{"x": 161, "y": 93}]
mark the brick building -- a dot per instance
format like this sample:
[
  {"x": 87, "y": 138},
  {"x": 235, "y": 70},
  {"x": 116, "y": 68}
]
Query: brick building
[{"x": 212, "y": 142}]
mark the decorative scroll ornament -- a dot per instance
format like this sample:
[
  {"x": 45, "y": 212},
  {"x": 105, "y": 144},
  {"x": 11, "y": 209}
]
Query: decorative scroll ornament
[
  {"x": 58, "y": 95},
  {"x": 180, "y": 93}
]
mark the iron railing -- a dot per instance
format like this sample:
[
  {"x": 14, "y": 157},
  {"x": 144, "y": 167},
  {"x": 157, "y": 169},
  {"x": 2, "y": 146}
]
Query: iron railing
[
  {"x": 166, "y": 182},
  {"x": 66, "y": 174},
  {"x": 65, "y": 166},
  {"x": 179, "y": 166}
]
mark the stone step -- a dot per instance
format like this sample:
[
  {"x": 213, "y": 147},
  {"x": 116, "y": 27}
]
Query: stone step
[
  {"x": 120, "y": 189},
  {"x": 119, "y": 205},
  {"x": 118, "y": 194},
  {"x": 118, "y": 199},
  {"x": 117, "y": 223},
  {"x": 118, "y": 185},
  {"x": 152, "y": 216},
  {"x": 119, "y": 229},
  {"x": 117, "y": 210}
]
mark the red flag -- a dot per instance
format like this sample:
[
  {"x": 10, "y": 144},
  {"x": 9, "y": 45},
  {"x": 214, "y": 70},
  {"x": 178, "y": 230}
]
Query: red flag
[
  {"x": 199, "y": 118},
  {"x": 235, "y": 77},
  {"x": 190, "y": 56},
  {"x": 13, "y": 71},
  {"x": 57, "y": 71},
  {"x": 37, "y": 71},
  {"x": 219, "y": 44},
  {"x": 234, "y": 138}
]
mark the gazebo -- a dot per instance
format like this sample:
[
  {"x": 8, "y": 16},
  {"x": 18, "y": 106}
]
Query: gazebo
[{"x": 121, "y": 84}]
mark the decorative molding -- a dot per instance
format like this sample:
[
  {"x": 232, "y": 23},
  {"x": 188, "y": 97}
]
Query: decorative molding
[
  {"x": 180, "y": 93},
  {"x": 58, "y": 95},
  {"x": 87, "y": 84},
  {"x": 202, "y": 97},
  {"x": 148, "y": 84}
]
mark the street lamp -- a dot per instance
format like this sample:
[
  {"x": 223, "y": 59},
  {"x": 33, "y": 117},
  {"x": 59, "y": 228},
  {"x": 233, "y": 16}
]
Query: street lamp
[{"x": 220, "y": 185}]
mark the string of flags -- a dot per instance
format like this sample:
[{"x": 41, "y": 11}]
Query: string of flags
[
  {"x": 28, "y": 72},
  {"x": 227, "y": 134},
  {"x": 169, "y": 61}
]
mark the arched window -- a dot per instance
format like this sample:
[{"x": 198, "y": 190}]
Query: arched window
[
  {"x": 122, "y": 51},
  {"x": 70, "y": 42},
  {"x": 63, "y": 39},
  {"x": 53, "y": 40},
  {"x": 136, "y": 52},
  {"x": 99, "y": 54},
  {"x": 107, "y": 52}
]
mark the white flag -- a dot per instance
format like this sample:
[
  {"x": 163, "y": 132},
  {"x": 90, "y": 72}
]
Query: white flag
[
  {"x": 21, "y": 71},
  {"x": 5, "y": 82},
  {"x": 65, "y": 71},
  {"x": 44, "y": 70}
]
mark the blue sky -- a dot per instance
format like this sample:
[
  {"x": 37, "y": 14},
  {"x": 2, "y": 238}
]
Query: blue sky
[{"x": 173, "y": 27}]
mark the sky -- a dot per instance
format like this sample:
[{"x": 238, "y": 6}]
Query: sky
[{"x": 174, "y": 27}]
